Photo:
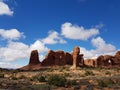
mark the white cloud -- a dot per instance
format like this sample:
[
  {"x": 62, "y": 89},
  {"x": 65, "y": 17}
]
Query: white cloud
[
  {"x": 99, "y": 25},
  {"x": 4, "y": 9},
  {"x": 53, "y": 38},
  {"x": 9, "y": 65},
  {"x": 38, "y": 45},
  {"x": 12, "y": 34},
  {"x": 77, "y": 32},
  {"x": 18, "y": 50},
  {"x": 101, "y": 48},
  {"x": 87, "y": 53},
  {"x": 14, "y": 51},
  {"x": 41, "y": 57}
]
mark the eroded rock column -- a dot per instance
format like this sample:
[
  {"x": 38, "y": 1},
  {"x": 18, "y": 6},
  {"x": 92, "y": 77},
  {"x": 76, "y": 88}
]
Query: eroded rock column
[
  {"x": 34, "y": 58},
  {"x": 75, "y": 56}
]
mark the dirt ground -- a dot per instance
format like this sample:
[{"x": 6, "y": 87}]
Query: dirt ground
[{"x": 80, "y": 79}]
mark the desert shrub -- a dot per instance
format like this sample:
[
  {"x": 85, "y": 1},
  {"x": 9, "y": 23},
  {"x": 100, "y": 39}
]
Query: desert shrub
[
  {"x": 41, "y": 78},
  {"x": 61, "y": 69},
  {"x": 82, "y": 75},
  {"x": 15, "y": 71},
  {"x": 89, "y": 72},
  {"x": 33, "y": 78},
  {"x": 50, "y": 70},
  {"x": 108, "y": 73},
  {"x": 89, "y": 87},
  {"x": 56, "y": 80},
  {"x": 22, "y": 77},
  {"x": 105, "y": 83},
  {"x": 101, "y": 83},
  {"x": 38, "y": 77},
  {"x": 98, "y": 68},
  {"x": 109, "y": 82},
  {"x": 71, "y": 82},
  {"x": 1, "y": 75},
  {"x": 79, "y": 68},
  {"x": 84, "y": 82},
  {"x": 14, "y": 78},
  {"x": 66, "y": 74},
  {"x": 40, "y": 87}
]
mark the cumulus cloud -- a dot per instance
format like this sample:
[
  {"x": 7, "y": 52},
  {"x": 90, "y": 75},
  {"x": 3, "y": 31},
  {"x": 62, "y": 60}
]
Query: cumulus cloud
[
  {"x": 38, "y": 45},
  {"x": 12, "y": 34},
  {"x": 9, "y": 65},
  {"x": 101, "y": 48},
  {"x": 78, "y": 32},
  {"x": 18, "y": 50},
  {"x": 53, "y": 38},
  {"x": 14, "y": 51},
  {"x": 4, "y": 9}
]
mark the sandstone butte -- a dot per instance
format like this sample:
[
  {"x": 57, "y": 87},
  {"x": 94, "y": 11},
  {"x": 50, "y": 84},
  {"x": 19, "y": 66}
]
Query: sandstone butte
[{"x": 75, "y": 59}]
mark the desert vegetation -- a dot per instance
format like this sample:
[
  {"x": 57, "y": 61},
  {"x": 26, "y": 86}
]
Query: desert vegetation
[{"x": 61, "y": 77}]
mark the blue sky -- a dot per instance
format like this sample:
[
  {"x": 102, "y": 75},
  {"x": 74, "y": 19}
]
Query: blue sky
[{"x": 93, "y": 25}]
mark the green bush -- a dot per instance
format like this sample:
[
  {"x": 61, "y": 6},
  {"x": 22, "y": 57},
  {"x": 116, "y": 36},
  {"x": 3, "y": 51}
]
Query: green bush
[
  {"x": 108, "y": 73},
  {"x": 109, "y": 82},
  {"x": 101, "y": 83},
  {"x": 15, "y": 71},
  {"x": 66, "y": 74},
  {"x": 1, "y": 75},
  {"x": 61, "y": 69},
  {"x": 56, "y": 80},
  {"x": 22, "y": 77},
  {"x": 89, "y": 72},
  {"x": 40, "y": 87},
  {"x": 41, "y": 79},
  {"x": 33, "y": 78},
  {"x": 105, "y": 83},
  {"x": 71, "y": 82},
  {"x": 14, "y": 78}
]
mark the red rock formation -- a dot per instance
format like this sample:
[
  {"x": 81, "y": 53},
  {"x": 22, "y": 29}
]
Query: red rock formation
[
  {"x": 34, "y": 63},
  {"x": 77, "y": 58},
  {"x": 106, "y": 60},
  {"x": 116, "y": 58},
  {"x": 34, "y": 58},
  {"x": 60, "y": 58},
  {"x": 90, "y": 62},
  {"x": 49, "y": 59},
  {"x": 57, "y": 58}
]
